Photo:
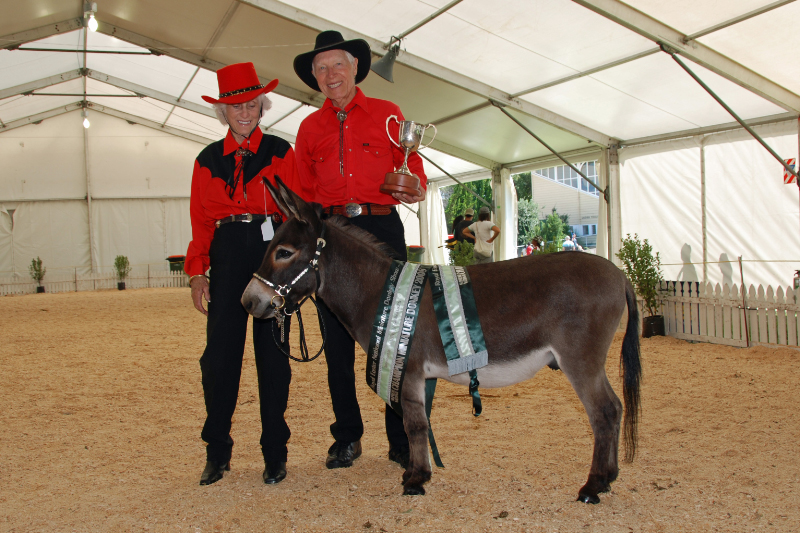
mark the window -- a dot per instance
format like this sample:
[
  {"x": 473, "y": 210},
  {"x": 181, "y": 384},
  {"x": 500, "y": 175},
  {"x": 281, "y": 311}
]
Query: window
[{"x": 566, "y": 176}]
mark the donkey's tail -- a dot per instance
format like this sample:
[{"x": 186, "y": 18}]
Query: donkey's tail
[{"x": 631, "y": 370}]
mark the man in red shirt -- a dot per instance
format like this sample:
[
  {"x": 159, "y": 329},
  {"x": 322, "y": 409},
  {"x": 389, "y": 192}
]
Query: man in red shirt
[
  {"x": 343, "y": 154},
  {"x": 233, "y": 220}
]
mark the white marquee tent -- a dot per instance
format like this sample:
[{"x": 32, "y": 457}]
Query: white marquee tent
[{"x": 587, "y": 76}]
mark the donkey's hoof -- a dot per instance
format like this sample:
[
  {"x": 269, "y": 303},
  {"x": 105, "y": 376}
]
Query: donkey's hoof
[
  {"x": 416, "y": 491},
  {"x": 589, "y": 498}
]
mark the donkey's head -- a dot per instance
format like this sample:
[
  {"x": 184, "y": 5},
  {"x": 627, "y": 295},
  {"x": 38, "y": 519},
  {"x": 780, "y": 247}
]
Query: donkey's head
[{"x": 288, "y": 272}]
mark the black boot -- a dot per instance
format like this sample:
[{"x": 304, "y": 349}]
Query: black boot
[
  {"x": 274, "y": 472},
  {"x": 213, "y": 472},
  {"x": 342, "y": 454}
]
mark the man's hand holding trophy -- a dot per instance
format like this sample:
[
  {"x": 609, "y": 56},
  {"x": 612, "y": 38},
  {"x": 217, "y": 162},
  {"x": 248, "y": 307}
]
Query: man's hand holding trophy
[{"x": 403, "y": 183}]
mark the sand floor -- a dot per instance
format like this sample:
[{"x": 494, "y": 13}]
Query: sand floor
[{"x": 103, "y": 406}]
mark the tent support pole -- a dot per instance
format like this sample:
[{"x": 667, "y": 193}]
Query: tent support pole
[
  {"x": 755, "y": 135},
  {"x": 570, "y": 165},
  {"x": 703, "y": 213},
  {"x": 88, "y": 196}
]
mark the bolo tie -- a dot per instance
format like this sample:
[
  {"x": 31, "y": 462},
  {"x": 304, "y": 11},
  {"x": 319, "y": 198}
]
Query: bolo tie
[{"x": 341, "y": 115}]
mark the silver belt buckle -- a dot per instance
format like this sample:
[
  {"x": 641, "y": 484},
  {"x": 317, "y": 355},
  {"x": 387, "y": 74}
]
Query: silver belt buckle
[
  {"x": 352, "y": 210},
  {"x": 249, "y": 217}
]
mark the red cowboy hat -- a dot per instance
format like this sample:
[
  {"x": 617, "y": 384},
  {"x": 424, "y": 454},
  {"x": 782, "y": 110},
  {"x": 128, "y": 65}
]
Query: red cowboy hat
[{"x": 239, "y": 83}]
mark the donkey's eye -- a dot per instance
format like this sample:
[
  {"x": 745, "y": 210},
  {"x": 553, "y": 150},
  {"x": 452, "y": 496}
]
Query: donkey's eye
[{"x": 283, "y": 254}]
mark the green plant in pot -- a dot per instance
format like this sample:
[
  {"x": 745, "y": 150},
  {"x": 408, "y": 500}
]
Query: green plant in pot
[
  {"x": 461, "y": 254},
  {"x": 643, "y": 269},
  {"x": 122, "y": 267},
  {"x": 37, "y": 271}
]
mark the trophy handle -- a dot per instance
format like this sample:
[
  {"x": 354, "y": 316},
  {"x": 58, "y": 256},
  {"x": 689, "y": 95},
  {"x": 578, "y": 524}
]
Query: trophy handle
[
  {"x": 432, "y": 138},
  {"x": 387, "y": 129}
]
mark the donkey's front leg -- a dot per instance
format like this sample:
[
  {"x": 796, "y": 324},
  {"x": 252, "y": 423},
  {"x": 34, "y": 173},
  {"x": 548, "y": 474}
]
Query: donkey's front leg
[{"x": 416, "y": 425}]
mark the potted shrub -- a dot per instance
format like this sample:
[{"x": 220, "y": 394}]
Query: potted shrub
[
  {"x": 123, "y": 268},
  {"x": 37, "y": 273},
  {"x": 643, "y": 268},
  {"x": 461, "y": 254}
]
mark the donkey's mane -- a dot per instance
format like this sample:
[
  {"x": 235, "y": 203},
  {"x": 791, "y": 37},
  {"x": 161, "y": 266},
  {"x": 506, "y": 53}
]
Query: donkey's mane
[{"x": 361, "y": 235}]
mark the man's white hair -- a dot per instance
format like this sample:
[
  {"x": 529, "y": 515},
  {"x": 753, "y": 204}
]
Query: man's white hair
[
  {"x": 262, "y": 99},
  {"x": 350, "y": 58}
]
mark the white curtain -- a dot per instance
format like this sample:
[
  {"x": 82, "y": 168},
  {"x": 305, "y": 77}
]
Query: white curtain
[
  {"x": 57, "y": 232},
  {"x": 435, "y": 252}
]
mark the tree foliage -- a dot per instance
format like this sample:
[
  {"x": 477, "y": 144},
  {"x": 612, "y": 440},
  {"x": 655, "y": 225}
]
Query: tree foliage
[
  {"x": 461, "y": 199},
  {"x": 643, "y": 269},
  {"x": 522, "y": 183},
  {"x": 554, "y": 228},
  {"x": 527, "y": 221}
]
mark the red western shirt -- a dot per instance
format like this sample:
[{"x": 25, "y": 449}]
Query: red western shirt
[
  {"x": 368, "y": 153},
  {"x": 210, "y": 201}
]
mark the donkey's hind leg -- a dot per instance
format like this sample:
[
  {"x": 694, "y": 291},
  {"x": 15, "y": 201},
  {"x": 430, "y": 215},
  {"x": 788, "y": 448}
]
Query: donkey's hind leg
[
  {"x": 605, "y": 413},
  {"x": 416, "y": 425}
]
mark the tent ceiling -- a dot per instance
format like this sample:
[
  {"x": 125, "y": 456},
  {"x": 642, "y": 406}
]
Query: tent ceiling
[{"x": 577, "y": 73}]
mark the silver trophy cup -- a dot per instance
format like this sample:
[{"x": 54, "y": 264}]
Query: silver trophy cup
[{"x": 409, "y": 137}]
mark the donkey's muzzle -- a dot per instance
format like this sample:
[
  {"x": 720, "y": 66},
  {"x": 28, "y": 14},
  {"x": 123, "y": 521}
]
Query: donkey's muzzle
[{"x": 258, "y": 299}]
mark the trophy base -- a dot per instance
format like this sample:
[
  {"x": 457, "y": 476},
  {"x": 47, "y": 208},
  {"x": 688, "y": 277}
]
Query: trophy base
[
  {"x": 389, "y": 189},
  {"x": 400, "y": 182}
]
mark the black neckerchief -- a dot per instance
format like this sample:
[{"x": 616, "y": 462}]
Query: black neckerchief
[{"x": 231, "y": 182}]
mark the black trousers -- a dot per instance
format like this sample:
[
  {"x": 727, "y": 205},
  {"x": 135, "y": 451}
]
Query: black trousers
[
  {"x": 340, "y": 348},
  {"x": 236, "y": 252}
]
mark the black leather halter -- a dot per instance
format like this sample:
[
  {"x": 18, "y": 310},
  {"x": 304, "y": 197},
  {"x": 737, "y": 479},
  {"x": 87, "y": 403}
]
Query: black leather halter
[{"x": 287, "y": 309}]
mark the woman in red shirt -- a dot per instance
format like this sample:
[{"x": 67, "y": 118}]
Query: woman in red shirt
[{"x": 233, "y": 220}]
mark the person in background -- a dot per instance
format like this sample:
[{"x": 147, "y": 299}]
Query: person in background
[
  {"x": 577, "y": 247},
  {"x": 233, "y": 218},
  {"x": 484, "y": 233},
  {"x": 458, "y": 230},
  {"x": 343, "y": 156},
  {"x": 452, "y": 240},
  {"x": 568, "y": 245}
]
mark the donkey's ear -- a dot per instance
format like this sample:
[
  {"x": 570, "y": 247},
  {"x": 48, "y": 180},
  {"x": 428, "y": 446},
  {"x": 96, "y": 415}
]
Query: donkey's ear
[
  {"x": 276, "y": 195},
  {"x": 289, "y": 202}
]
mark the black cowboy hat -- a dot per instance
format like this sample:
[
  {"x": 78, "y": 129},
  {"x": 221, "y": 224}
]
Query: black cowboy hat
[{"x": 333, "y": 40}]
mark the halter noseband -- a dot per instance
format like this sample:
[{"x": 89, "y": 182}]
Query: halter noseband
[{"x": 283, "y": 291}]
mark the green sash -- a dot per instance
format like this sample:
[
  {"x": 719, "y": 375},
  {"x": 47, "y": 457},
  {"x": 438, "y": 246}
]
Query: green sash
[
  {"x": 457, "y": 317},
  {"x": 396, "y": 321},
  {"x": 393, "y": 330}
]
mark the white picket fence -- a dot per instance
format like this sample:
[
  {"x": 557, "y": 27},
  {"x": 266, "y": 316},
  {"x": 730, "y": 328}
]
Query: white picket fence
[
  {"x": 141, "y": 277},
  {"x": 723, "y": 315}
]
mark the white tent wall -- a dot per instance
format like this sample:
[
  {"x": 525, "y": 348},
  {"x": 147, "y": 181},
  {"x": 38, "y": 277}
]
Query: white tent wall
[
  {"x": 146, "y": 231},
  {"x": 129, "y": 160},
  {"x": 757, "y": 216},
  {"x": 43, "y": 161},
  {"x": 660, "y": 198},
  {"x": 139, "y": 178},
  {"x": 749, "y": 211},
  {"x": 55, "y": 231}
]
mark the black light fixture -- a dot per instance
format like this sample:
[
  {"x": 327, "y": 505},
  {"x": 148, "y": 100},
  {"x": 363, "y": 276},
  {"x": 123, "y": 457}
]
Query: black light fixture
[{"x": 385, "y": 65}]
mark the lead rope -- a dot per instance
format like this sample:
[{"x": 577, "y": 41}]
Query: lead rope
[
  {"x": 304, "y": 358},
  {"x": 282, "y": 310}
]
